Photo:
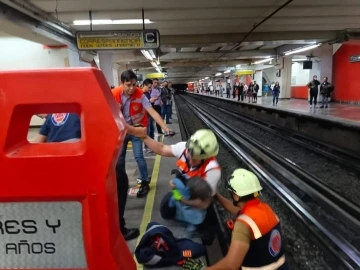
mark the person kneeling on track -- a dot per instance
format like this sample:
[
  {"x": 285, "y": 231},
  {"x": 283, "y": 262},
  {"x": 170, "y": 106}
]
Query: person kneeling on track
[
  {"x": 257, "y": 241},
  {"x": 196, "y": 158}
]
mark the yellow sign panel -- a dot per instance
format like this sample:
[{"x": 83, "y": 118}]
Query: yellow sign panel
[
  {"x": 118, "y": 40},
  {"x": 155, "y": 75},
  {"x": 244, "y": 72}
]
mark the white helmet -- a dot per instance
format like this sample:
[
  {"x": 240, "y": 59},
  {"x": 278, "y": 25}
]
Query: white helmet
[
  {"x": 243, "y": 182},
  {"x": 202, "y": 144}
]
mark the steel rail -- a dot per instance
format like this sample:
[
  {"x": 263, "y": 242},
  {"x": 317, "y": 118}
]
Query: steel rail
[
  {"x": 323, "y": 194},
  {"x": 349, "y": 161},
  {"x": 340, "y": 248}
]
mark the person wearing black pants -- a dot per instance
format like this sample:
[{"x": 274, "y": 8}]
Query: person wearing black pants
[
  {"x": 241, "y": 92},
  {"x": 122, "y": 181},
  {"x": 256, "y": 90},
  {"x": 157, "y": 108},
  {"x": 314, "y": 90}
]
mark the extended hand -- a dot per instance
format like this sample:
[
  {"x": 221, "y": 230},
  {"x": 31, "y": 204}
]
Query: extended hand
[
  {"x": 169, "y": 132},
  {"x": 176, "y": 194},
  {"x": 191, "y": 264},
  {"x": 178, "y": 173},
  {"x": 140, "y": 132}
]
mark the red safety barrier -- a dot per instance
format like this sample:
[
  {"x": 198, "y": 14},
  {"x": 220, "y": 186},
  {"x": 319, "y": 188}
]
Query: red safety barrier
[{"x": 58, "y": 201}]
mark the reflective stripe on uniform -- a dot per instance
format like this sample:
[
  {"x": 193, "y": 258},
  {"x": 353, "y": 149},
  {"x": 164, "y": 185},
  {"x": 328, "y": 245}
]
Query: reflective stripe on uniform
[
  {"x": 154, "y": 260},
  {"x": 271, "y": 266},
  {"x": 255, "y": 229}
]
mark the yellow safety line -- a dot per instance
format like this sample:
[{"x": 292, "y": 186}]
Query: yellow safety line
[{"x": 148, "y": 205}]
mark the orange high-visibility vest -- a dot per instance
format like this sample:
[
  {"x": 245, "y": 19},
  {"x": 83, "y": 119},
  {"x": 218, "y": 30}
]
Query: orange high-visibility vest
[
  {"x": 137, "y": 111},
  {"x": 200, "y": 171}
]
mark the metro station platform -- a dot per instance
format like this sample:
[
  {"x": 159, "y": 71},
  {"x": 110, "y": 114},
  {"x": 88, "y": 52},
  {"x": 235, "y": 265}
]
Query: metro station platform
[
  {"x": 337, "y": 112},
  {"x": 139, "y": 212}
]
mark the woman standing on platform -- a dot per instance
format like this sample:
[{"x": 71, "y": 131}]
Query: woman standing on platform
[{"x": 276, "y": 92}]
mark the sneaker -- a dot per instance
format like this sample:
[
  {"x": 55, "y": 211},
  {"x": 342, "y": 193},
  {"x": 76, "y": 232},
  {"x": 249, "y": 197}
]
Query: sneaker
[
  {"x": 143, "y": 190},
  {"x": 326, "y": 106},
  {"x": 321, "y": 107},
  {"x": 130, "y": 234}
]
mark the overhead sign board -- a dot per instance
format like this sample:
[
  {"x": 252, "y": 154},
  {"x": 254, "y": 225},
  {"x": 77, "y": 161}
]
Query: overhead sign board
[
  {"x": 155, "y": 75},
  {"x": 118, "y": 40},
  {"x": 354, "y": 58},
  {"x": 244, "y": 72}
]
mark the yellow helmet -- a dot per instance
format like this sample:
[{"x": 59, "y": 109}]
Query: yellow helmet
[
  {"x": 202, "y": 144},
  {"x": 243, "y": 182}
]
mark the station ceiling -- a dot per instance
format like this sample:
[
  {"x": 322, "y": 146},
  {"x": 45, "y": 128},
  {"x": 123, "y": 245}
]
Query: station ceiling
[{"x": 195, "y": 34}]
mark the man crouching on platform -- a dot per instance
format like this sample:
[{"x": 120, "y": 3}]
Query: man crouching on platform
[{"x": 196, "y": 161}]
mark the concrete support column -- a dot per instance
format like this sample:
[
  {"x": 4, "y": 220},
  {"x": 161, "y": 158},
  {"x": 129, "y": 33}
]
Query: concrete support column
[
  {"x": 121, "y": 69},
  {"x": 285, "y": 78},
  {"x": 106, "y": 66},
  {"x": 326, "y": 62},
  {"x": 258, "y": 78}
]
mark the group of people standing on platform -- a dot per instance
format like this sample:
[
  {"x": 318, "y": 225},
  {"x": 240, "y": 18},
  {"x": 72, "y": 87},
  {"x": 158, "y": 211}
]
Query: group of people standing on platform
[
  {"x": 243, "y": 91},
  {"x": 326, "y": 88},
  {"x": 161, "y": 98},
  {"x": 257, "y": 240}
]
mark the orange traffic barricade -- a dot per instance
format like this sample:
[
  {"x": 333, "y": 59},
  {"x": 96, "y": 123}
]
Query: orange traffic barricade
[{"x": 58, "y": 201}]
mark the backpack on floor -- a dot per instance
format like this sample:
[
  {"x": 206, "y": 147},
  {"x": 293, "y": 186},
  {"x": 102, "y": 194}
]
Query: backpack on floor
[{"x": 159, "y": 248}]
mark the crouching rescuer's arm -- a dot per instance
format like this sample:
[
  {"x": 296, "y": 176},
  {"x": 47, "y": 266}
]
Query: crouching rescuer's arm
[{"x": 158, "y": 148}]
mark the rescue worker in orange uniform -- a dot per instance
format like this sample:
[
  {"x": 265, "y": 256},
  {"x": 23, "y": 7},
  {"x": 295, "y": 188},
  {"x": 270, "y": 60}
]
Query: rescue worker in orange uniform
[
  {"x": 134, "y": 106},
  {"x": 257, "y": 242},
  {"x": 195, "y": 158}
]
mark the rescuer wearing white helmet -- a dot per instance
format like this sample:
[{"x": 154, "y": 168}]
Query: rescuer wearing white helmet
[
  {"x": 257, "y": 241},
  {"x": 195, "y": 158}
]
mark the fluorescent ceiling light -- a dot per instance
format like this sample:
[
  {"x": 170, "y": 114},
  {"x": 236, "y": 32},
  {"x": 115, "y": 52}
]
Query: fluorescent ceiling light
[
  {"x": 154, "y": 64},
  {"x": 206, "y": 78},
  {"x": 218, "y": 74},
  {"x": 302, "y": 49},
  {"x": 238, "y": 66},
  {"x": 299, "y": 59},
  {"x": 263, "y": 61},
  {"x": 105, "y": 22},
  {"x": 228, "y": 71},
  {"x": 147, "y": 54},
  {"x": 152, "y": 54}
]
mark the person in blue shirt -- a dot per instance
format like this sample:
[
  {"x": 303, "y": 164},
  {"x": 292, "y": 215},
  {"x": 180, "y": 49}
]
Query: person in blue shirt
[{"x": 60, "y": 127}]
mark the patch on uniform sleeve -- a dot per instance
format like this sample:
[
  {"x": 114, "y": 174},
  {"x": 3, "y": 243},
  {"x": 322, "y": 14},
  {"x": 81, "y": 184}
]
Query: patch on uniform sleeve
[{"x": 275, "y": 243}]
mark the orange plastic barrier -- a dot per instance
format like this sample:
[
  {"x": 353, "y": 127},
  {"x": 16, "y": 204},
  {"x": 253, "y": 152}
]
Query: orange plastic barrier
[{"x": 58, "y": 201}]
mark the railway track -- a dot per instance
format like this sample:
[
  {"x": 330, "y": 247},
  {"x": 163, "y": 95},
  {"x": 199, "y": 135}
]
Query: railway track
[
  {"x": 297, "y": 189},
  {"x": 341, "y": 156}
]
